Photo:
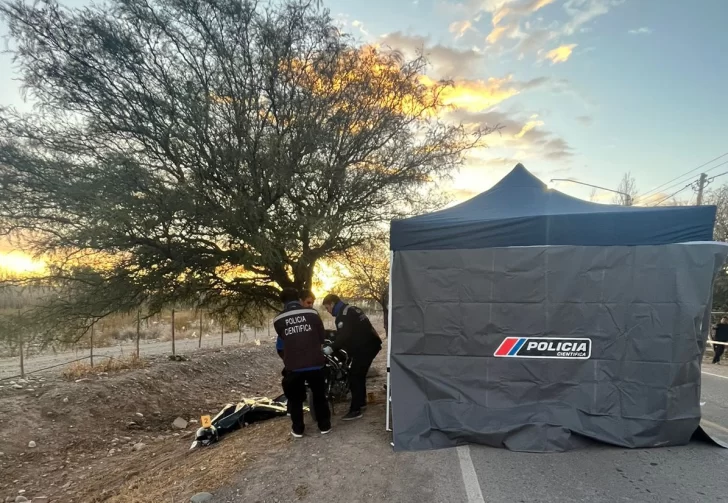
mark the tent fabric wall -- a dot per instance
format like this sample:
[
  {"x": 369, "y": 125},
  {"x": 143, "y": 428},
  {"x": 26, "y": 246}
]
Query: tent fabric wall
[{"x": 643, "y": 307}]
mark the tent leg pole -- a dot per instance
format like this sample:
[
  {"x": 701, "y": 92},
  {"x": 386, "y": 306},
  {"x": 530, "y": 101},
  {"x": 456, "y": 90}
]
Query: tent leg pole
[
  {"x": 389, "y": 345},
  {"x": 388, "y": 426}
]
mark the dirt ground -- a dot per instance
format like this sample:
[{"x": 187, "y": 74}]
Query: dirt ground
[
  {"x": 110, "y": 437},
  {"x": 88, "y": 434}
]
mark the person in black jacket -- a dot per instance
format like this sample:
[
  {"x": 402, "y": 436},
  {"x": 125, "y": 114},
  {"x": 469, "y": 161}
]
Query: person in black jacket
[
  {"x": 720, "y": 335},
  {"x": 355, "y": 335},
  {"x": 301, "y": 336}
]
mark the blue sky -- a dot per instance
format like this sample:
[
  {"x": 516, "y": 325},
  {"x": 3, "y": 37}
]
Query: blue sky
[
  {"x": 584, "y": 89},
  {"x": 640, "y": 85}
]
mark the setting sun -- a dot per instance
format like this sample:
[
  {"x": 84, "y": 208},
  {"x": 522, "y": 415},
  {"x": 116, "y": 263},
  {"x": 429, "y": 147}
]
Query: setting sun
[{"x": 17, "y": 262}]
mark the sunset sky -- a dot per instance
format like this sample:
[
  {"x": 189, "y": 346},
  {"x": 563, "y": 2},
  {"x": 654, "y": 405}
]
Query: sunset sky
[
  {"x": 585, "y": 89},
  {"x": 588, "y": 89}
]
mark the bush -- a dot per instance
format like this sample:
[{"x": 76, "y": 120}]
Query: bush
[{"x": 78, "y": 370}]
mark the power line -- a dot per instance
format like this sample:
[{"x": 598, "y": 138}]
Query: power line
[
  {"x": 683, "y": 181},
  {"x": 651, "y": 192},
  {"x": 658, "y": 203},
  {"x": 716, "y": 176},
  {"x": 693, "y": 183}
]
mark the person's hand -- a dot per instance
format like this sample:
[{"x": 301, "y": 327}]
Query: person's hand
[{"x": 327, "y": 350}]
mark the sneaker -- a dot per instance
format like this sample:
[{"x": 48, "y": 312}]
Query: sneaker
[
  {"x": 363, "y": 408},
  {"x": 354, "y": 414},
  {"x": 296, "y": 435},
  {"x": 326, "y": 432}
]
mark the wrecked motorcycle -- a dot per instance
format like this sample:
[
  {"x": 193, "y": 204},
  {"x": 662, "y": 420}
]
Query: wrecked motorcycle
[
  {"x": 336, "y": 371},
  {"x": 252, "y": 410},
  {"x": 235, "y": 416}
]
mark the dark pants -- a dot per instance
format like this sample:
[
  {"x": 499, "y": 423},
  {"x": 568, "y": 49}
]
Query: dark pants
[
  {"x": 294, "y": 386},
  {"x": 718, "y": 349},
  {"x": 358, "y": 379}
]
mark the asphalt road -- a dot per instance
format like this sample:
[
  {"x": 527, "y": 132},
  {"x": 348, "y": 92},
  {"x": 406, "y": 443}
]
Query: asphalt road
[{"x": 694, "y": 473}]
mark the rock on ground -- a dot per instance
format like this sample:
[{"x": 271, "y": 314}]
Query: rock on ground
[
  {"x": 201, "y": 498},
  {"x": 180, "y": 423}
]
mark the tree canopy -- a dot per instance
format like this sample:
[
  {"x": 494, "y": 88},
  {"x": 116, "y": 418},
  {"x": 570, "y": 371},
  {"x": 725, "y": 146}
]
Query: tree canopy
[
  {"x": 211, "y": 150},
  {"x": 367, "y": 273}
]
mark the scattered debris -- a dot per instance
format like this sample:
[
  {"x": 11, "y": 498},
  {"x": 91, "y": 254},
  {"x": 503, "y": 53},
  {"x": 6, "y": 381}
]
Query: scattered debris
[
  {"x": 139, "y": 446},
  {"x": 32, "y": 444}
]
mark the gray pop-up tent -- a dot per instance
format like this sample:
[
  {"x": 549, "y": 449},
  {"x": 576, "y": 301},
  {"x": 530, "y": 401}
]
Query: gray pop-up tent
[{"x": 528, "y": 319}]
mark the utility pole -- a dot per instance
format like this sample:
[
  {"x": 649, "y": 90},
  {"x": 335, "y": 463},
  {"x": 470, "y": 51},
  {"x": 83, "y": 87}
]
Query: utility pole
[{"x": 701, "y": 187}]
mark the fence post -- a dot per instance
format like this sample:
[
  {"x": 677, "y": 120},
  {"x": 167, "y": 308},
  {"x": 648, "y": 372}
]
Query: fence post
[
  {"x": 240, "y": 333},
  {"x": 199, "y": 342},
  {"x": 222, "y": 332},
  {"x": 173, "y": 349},
  {"x": 22, "y": 362},
  {"x": 268, "y": 328},
  {"x": 139, "y": 329},
  {"x": 92, "y": 344}
]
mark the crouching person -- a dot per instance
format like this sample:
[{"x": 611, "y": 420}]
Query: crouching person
[
  {"x": 300, "y": 338},
  {"x": 355, "y": 335}
]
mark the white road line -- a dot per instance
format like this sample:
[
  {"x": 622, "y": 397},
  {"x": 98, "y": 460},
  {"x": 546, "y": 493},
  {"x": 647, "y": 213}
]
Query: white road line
[
  {"x": 714, "y": 375},
  {"x": 470, "y": 478},
  {"x": 714, "y": 425}
]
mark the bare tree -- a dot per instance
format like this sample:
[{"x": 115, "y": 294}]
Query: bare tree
[
  {"x": 367, "y": 274},
  {"x": 182, "y": 147},
  {"x": 629, "y": 190},
  {"x": 719, "y": 198}
]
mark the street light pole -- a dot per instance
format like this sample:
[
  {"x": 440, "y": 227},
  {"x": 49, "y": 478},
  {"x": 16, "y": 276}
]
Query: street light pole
[{"x": 627, "y": 197}]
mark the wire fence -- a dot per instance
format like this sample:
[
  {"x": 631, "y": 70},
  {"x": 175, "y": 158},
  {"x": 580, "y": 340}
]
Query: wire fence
[
  {"x": 210, "y": 334},
  {"x": 213, "y": 335}
]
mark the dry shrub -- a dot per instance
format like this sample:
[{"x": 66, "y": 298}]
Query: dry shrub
[{"x": 81, "y": 369}]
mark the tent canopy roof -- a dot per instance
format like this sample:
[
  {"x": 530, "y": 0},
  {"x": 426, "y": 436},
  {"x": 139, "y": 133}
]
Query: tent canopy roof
[{"x": 520, "y": 210}]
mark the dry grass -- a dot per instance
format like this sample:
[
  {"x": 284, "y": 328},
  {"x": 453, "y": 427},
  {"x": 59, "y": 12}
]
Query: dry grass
[
  {"x": 176, "y": 474},
  {"x": 78, "y": 370}
]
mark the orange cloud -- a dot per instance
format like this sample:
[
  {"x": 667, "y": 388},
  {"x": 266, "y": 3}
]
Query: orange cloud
[
  {"x": 561, "y": 54},
  {"x": 540, "y": 4},
  {"x": 528, "y": 126},
  {"x": 476, "y": 95},
  {"x": 519, "y": 11},
  {"x": 497, "y": 33},
  {"x": 459, "y": 28},
  {"x": 499, "y": 15}
]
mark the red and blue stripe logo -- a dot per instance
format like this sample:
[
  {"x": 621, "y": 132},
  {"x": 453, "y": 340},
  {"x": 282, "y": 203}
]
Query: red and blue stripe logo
[
  {"x": 578, "y": 348},
  {"x": 510, "y": 346}
]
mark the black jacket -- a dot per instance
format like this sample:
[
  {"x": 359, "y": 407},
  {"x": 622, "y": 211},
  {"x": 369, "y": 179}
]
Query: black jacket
[
  {"x": 354, "y": 332},
  {"x": 721, "y": 332},
  {"x": 300, "y": 336}
]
